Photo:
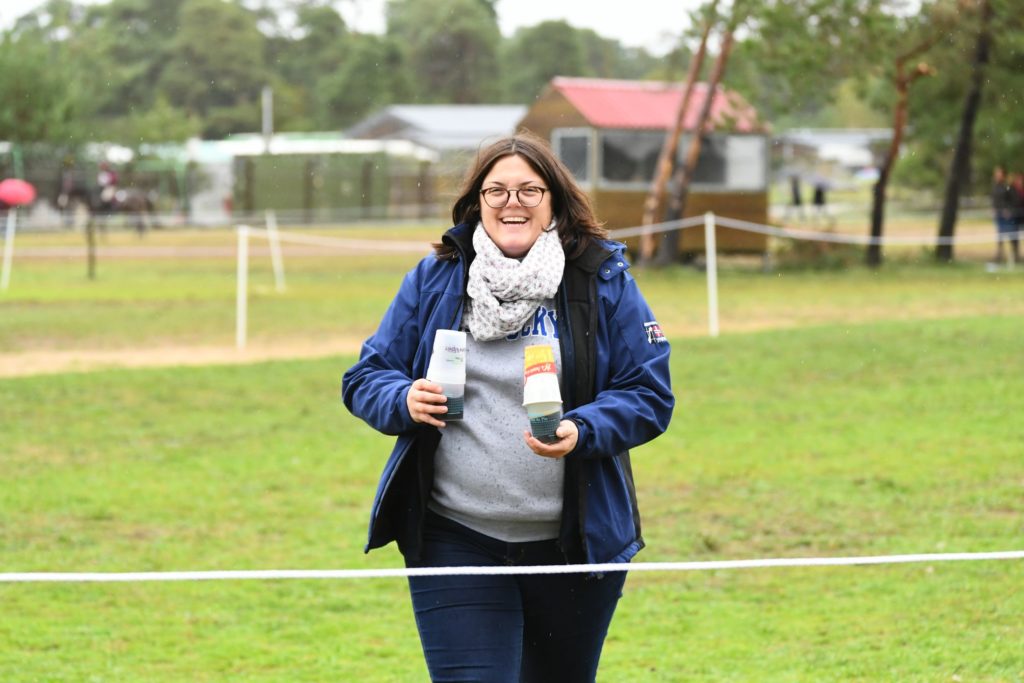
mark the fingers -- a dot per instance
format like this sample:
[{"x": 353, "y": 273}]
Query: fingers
[
  {"x": 568, "y": 434},
  {"x": 425, "y": 401}
]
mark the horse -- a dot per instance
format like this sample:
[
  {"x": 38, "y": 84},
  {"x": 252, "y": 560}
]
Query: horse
[{"x": 81, "y": 204}]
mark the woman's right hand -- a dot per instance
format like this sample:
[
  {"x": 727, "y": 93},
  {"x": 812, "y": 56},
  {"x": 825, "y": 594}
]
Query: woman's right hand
[{"x": 425, "y": 400}]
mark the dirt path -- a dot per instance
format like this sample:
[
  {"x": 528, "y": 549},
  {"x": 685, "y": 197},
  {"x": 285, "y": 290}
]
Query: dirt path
[{"x": 52, "y": 361}]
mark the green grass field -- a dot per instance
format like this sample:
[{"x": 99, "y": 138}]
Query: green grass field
[{"x": 841, "y": 413}]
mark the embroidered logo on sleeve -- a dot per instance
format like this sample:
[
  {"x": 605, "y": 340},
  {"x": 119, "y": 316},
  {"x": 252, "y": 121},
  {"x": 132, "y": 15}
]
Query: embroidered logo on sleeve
[{"x": 654, "y": 333}]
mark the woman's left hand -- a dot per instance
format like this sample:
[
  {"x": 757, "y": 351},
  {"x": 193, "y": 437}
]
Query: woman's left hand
[{"x": 567, "y": 434}]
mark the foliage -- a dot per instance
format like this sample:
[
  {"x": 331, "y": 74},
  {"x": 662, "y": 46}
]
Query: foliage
[
  {"x": 215, "y": 65},
  {"x": 793, "y": 54},
  {"x": 555, "y": 49},
  {"x": 36, "y": 102},
  {"x": 937, "y": 103},
  {"x": 371, "y": 75},
  {"x": 158, "y": 124},
  {"x": 451, "y": 47}
]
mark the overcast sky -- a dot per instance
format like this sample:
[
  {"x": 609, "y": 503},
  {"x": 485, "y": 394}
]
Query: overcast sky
[{"x": 637, "y": 23}]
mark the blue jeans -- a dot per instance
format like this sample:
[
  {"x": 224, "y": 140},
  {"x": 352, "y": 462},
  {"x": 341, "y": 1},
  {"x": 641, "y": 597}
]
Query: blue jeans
[{"x": 507, "y": 629}]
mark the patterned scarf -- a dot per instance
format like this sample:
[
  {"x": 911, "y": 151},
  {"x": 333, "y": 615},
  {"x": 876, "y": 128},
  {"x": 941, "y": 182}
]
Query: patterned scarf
[{"x": 504, "y": 293}]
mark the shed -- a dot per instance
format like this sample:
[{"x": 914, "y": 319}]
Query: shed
[{"x": 610, "y": 133}]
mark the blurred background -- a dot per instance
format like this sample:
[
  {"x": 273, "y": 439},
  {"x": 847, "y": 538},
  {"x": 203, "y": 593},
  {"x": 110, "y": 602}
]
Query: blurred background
[{"x": 204, "y": 112}]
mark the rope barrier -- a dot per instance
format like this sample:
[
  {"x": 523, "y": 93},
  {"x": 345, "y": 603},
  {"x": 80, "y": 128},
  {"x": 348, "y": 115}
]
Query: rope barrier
[
  {"x": 668, "y": 226},
  {"x": 656, "y": 228},
  {"x": 347, "y": 243},
  {"x": 292, "y": 574},
  {"x": 924, "y": 240}
]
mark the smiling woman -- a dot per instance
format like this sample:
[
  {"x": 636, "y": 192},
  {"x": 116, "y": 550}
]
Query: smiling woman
[
  {"x": 525, "y": 273},
  {"x": 515, "y": 210}
]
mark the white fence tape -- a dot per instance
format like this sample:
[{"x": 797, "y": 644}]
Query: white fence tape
[
  {"x": 812, "y": 235},
  {"x": 281, "y": 574},
  {"x": 350, "y": 244},
  {"x": 925, "y": 240}
]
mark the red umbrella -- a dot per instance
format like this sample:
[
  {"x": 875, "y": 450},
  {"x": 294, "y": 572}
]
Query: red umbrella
[{"x": 16, "y": 192}]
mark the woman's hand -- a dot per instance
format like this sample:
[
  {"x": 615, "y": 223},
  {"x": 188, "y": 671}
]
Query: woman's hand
[
  {"x": 425, "y": 400},
  {"x": 567, "y": 434}
]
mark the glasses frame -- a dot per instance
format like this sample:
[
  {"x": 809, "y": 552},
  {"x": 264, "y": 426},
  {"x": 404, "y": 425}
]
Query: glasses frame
[{"x": 508, "y": 196}]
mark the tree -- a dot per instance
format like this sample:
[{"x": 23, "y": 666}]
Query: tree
[
  {"x": 160, "y": 123},
  {"x": 372, "y": 75},
  {"x": 123, "y": 47},
  {"x": 902, "y": 82},
  {"x": 215, "y": 66},
  {"x": 684, "y": 172},
  {"x": 313, "y": 48},
  {"x": 669, "y": 150},
  {"x": 795, "y": 53},
  {"x": 40, "y": 102},
  {"x": 555, "y": 49},
  {"x": 451, "y": 47},
  {"x": 959, "y": 170}
]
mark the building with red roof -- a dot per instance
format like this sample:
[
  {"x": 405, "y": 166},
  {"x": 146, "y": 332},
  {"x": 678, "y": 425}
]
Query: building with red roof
[{"x": 610, "y": 134}]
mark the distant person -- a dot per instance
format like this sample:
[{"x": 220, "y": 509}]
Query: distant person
[
  {"x": 820, "y": 202},
  {"x": 796, "y": 199},
  {"x": 525, "y": 269},
  {"x": 1005, "y": 207},
  {"x": 1016, "y": 181},
  {"x": 107, "y": 180}
]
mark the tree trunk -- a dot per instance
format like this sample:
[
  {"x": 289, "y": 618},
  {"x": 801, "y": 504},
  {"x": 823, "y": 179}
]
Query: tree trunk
[
  {"x": 873, "y": 255},
  {"x": 684, "y": 174},
  {"x": 959, "y": 168},
  {"x": 666, "y": 160}
]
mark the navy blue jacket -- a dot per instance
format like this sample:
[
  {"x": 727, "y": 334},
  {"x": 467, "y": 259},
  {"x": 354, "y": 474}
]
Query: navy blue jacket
[{"x": 615, "y": 387}]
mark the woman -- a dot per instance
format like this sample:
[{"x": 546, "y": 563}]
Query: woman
[{"x": 525, "y": 264}]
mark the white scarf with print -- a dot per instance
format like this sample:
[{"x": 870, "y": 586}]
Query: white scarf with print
[{"x": 504, "y": 293}]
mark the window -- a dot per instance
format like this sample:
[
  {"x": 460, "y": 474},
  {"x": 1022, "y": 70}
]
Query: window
[
  {"x": 747, "y": 162},
  {"x": 572, "y": 146},
  {"x": 629, "y": 157},
  {"x": 726, "y": 163}
]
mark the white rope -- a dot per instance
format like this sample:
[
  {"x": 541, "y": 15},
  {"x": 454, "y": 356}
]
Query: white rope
[
  {"x": 925, "y": 240},
  {"x": 655, "y": 228},
  {"x": 346, "y": 243},
  {"x": 812, "y": 235},
  {"x": 668, "y": 226},
  {"x": 279, "y": 574}
]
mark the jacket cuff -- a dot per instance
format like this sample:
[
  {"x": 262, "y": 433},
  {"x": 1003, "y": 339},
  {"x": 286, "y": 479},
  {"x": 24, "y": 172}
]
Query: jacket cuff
[{"x": 583, "y": 433}]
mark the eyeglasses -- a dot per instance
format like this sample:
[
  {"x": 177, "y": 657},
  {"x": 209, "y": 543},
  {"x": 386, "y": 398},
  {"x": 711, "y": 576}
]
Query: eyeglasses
[{"x": 497, "y": 197}]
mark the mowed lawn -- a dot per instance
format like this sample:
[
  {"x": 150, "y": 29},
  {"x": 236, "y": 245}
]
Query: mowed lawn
[{"x": 843, "y": 413}]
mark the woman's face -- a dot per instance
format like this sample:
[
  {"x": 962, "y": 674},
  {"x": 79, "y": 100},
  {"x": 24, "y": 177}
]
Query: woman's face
[{"x": 514, "y": 227}]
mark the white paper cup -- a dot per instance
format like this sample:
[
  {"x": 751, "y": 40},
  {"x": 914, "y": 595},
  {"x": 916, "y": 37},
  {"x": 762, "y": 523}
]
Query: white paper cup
[
  {"x": 544, "y": 420},
  {"x": 455, "y": 393},
  {"x": 448, "y": 368}
]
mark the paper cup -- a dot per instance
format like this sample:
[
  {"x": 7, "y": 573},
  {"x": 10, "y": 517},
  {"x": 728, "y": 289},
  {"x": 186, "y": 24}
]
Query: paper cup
[
  {"x": 455, "y": 393},
  {"x": 544, "y": 420},
  {"x": 448, "y": 368}
]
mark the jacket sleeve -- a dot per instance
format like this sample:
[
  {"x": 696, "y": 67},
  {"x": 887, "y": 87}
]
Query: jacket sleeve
[
  {"x": 636, "y": 402},
  {"x": 375, "y": 388}
]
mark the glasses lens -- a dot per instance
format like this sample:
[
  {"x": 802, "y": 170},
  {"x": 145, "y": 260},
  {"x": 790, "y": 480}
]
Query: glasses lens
[
  {"x": 496, "y": 197},
  {"x": 530, "y": 196}
]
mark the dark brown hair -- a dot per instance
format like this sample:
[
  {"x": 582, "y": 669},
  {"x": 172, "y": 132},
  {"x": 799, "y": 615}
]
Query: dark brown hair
[{"x": 570, "y": 206}]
